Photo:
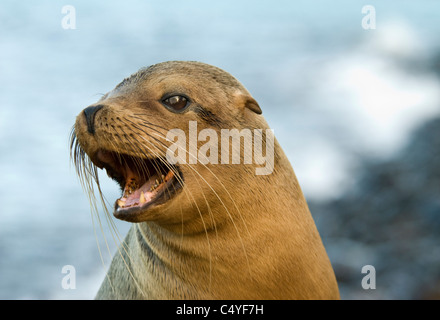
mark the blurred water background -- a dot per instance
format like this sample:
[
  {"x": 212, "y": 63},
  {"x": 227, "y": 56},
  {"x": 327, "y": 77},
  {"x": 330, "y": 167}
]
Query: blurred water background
[{"x": 355, "y": 110}]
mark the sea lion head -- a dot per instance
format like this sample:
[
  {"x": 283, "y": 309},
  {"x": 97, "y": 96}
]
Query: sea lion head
[
  {"x": 127, "y": 133},
  {"x": 250, "y": 235}
]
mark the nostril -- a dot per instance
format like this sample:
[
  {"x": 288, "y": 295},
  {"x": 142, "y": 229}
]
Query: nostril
[{"x": 90, "y": 113}]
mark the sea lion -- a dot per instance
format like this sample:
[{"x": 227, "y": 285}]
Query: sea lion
[{"x": 201, "y": 230}]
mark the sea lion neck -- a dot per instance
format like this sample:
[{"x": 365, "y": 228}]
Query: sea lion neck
[{"x": 169, "y": 247}]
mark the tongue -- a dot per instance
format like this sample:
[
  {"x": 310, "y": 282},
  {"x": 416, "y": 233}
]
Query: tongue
[
  {"x": 135, "y": 185},
  {"x": 134, "y": 194}
]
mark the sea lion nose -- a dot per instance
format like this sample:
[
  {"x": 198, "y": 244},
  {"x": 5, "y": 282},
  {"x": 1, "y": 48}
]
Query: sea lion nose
[{"x": 90, "y": 113}]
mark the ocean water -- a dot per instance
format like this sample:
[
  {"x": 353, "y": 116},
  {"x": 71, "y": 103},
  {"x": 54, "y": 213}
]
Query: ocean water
[{"x": 334, "y": 93}]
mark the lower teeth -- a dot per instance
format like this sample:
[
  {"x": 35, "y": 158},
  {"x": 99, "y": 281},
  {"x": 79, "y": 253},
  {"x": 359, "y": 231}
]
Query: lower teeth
[{"x": 142, "y": 198}]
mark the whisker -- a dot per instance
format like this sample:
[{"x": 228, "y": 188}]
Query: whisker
[
  {"x": 216, "y": 194},
  {"x": 199, "y": 211},
  {"x": 86, "y": 170}
]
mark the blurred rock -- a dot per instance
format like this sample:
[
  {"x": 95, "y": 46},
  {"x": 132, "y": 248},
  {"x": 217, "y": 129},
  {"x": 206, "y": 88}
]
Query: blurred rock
[{"x": 391, "y": 220}]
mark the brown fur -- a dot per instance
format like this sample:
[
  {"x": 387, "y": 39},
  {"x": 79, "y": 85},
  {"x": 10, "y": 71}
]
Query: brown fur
[{"x": 230, "y": 234}]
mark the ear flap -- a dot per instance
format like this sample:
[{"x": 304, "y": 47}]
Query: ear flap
[
  {"x": 252, "y": 105},
  {"x": 243, "y": 99}
]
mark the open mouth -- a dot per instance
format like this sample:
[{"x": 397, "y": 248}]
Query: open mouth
[{"x": 144, "y": 182}]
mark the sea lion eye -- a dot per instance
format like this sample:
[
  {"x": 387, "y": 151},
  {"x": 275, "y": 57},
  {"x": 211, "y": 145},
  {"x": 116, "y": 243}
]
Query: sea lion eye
[{"x": 176, "y": 102}]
